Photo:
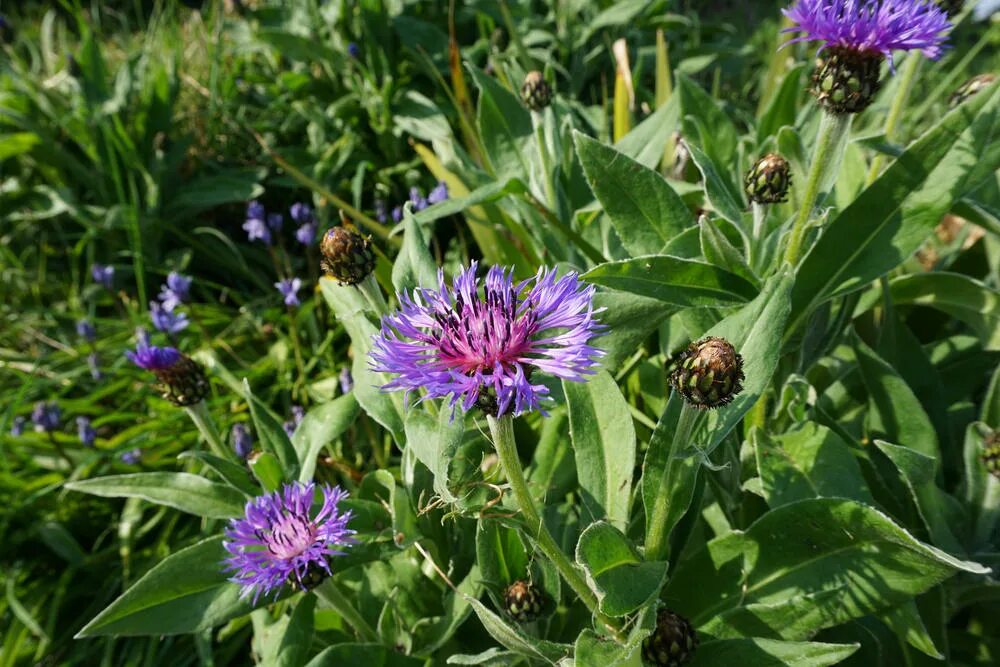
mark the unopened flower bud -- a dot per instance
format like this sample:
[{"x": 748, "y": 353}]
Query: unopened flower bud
[
  {"x": 768, "y": 180},
  {"x": 709, "y": 373},
  {"x": 991, "y": 453},
  {"x": 347, "y": 256},
  {"x": 672, "y": 643},
  {"x": 184, "y": 383},
  {"x": 970, "y": 88},
  {"x": 847, "y": 80},
  {"x": 523, "y": 601},
  {"x": 536, "y": 93}
]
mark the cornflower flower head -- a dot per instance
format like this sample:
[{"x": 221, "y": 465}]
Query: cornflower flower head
[
  {"x": 85, "y": 431},
  {"x": 280, "y": 539},
  {"x": 85, "y": 330},
  {"x": 175, "y": 291},
  {"x": 46, "y": 416},
  {"x": 103, "y": 275},
  {"x": 166, "y": 320},
  {"x": 289, "y": 290},
  {"x": 480, "y": 346},
  {"x": 242, "y": 441},
  {"x": 856, "y": 36},
  {"x": 182, "y": 380}
]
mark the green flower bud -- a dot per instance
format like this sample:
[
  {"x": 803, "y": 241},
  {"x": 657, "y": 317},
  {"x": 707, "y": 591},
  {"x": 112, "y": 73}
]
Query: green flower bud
[
  {"x": 523, "y": 601},
  {"x": 672, "y": 643},
  {"x": 991, "y": 453},
  {"x": 768, "y": 180},
  {"x": 184, "y": 383},
  {"x": 347, "y": 256},
  {"x": 846, "y": 81},
  {"x": 970, "y": 88},
  {"x": 708, "y": 374},
  {"x": 536, "y": 93}
]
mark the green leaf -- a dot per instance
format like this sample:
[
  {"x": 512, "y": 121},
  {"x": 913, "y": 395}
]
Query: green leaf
[
  {"x": 515, "y": 639},
  {"x": 504, "y": 127},
  {"x": 210, "y": 190},
  {"x": 350, "y": 307},
  {"x": 937, "y": 509},
  {"x": 321, "y": 425},
  {"x": 434, "y": 441},
  {"x": 592, "y": 650},
  {"x": 647, "y": 141},
  {"x": 720, "y": 193},
  {"x": 892, "y": 217},
  {"x": 180, "y": 490},
  {"x": 603, "y": 435},
  {"x": 769, "y": 653},
  {"x": 615, "y": 571},
  {"x": 722, "y": 137},
  {"x": 456, "y": 611},
  {"x": 186, "y": 592},
  {"x": 682, "y": 282},
  {"x": 811, "y": 462},
  {"x": 234, "y": 475},
  {"x": 414, "y": 265},
  {"x": 268, "y": 471},
  {"x": 905, "y": 621},
  {"x": 718, "y": 250},
  {"x": 492, "y": 191},
  {"x": 982, "y": 490},
  {"x": 298, "y": 635},
  {"x": 645, "y": 211},
  {"x": 272, "y": 436},
  {"x": 630, "y": 320},
  {"x": 848, "y": 558},
  {"x": 781, "y": 110},
  {"x": 362, "y": 655},
  {"x": 896, "y": 412},
  {"x": 500, "y": 553}
]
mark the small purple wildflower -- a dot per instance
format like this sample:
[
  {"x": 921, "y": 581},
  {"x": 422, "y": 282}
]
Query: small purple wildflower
[
  {"x": 397, "y": 214},
  {"x": 255, "y": 210},
  {"x": 46, "y": 416},
  {"x": 289, "y": 289},
  {"x": 275, "y": 221},
  {"x": 167, "y": 321},
  {"x": 17, "y": 426},
  {"x": 95, "y": 370},
  {"x": 871, "y": 26},
  {"x": 302, "y": 213},
  {"x": 381, "y": 211},
  {"x": 451, "y": 341},
  {"x": 131, "y": 456},
  {"x": 86, "y": 331},
  {"x": 257, "y": 229},
  {"x": 298, "y": 414},
  {"x": 346, "y": 380},
  {"x": 141, "y": 336},
  {"x": 306, "y": 233},
  {"x": 353, "y": 50},
  {"x": 418, "y": 200},
  {"x": 280, "y": 540},
  {"x": 242, "y": 440},
  {"x": 176, "y": 290},
  {"x": 152, "y": 358},
  {"x": 85, "y": 431},
  {"x": 103, "y": 275},
  {"x": 438, "y": 194}
]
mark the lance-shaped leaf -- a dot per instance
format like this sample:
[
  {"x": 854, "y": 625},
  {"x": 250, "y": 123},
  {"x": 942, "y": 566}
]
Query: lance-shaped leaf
[
  {"x": 682, "y": 282},
  {"x": 180, "y": 490},
  {"x": 615, "y": 571}
]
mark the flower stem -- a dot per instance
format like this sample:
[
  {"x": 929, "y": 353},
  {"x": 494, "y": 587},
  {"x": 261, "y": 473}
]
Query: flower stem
[
  {"x": 658, "y": 532},
  {"x": 826, "y": 160},
  {"x": 206, "y": 426},
  {"x": 903, "y": 89},
  {"x": 502, "y": 430},
  {"x": 333, "y": 596}
]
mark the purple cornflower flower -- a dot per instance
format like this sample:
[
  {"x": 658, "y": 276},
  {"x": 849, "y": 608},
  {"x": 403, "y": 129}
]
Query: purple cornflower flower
[
  {"x": 175, "y": 291},
  {"x": 151, "y": 358},
  {"x": 418, "y": 200},
  {"x": 103, "y": 275},
  {"x": 438, "y": 194},
  {"x": 95, "y": 371},
  {"x": 871, "y": 26},
  {"x": 85, "y": 431},
  {"x": 381, "y": 211},
  {"x": 242, "y": 441},
  {"x": 397, "y": 214},
  {"x": 131, "y": 457},
  {"x": 167, "y": 321},
  {"x": 353, "y": 50},
  {"x": 257, "y": 229},
  {"x": 289, "y": 289},
  {"x": 275, "y": 222},
  {"x": 46, "y": 416},
  {"x": 280, "y": 540},
  {"x": 85, "y": 330},
  {"x": 17, "y": 426},
  {"x": 346, "y": 380},
  {"x": 482, "y": 349}
]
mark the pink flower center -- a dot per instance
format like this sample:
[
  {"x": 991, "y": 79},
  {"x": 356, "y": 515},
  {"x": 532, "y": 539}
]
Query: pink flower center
[
  {"x": 480, "y": 335},
  {"x": 290, "y": 536}
]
